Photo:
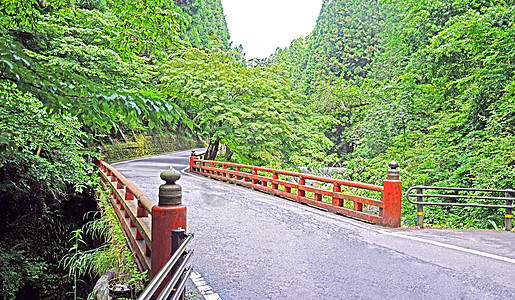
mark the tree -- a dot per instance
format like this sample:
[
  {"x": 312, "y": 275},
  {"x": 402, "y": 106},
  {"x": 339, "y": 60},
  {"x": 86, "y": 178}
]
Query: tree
[
  {"x": 67, "y": 59},
  {"x": 253, "y": 111}
]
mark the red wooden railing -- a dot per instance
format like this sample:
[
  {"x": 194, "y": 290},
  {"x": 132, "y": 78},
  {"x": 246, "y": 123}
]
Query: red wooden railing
[
  {"x": 388, "y": 212},
  {"x": 146, "y": 226}
]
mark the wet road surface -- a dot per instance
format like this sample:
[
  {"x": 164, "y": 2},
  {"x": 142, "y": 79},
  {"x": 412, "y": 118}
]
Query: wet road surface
[{"x": 249, "y": 245}]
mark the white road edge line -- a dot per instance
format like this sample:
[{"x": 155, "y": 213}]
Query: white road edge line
[
  {"x": 440, "y": 244},
  {"x": 203, "y": 287},
  {"x": 458, "y": 248}
]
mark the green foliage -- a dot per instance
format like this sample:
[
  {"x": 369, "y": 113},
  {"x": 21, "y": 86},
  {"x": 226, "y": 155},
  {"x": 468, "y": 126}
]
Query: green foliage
[
  {"x": 41, "y": 158},
  {"x": 205, "y": 18},
  {"x": 30, "y": 255},
  {"x": 71, "y": 60},
  {"x": 28, "y": 127},
  {"x": 151, "y": 26},
  {"x": 253, "y": 111},
  {"x": 112, "y": 255},
  {"x": 436, "y": 93},
  {"x": 32, "y": 186},
  {"x": 293, "y": 61},
  {"x": 17, "y": 269},
  {"x": 16, "y": 12},
  {"x": 343, "y": 43}
]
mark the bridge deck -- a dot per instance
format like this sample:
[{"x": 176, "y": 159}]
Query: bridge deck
[{"x": 249, "y": 245}]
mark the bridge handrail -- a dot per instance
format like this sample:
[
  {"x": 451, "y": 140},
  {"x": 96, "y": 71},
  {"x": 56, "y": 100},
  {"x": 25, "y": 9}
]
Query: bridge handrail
[
  {"x": 367, "y": 186},
  {"x": 389, "y": 206},
  {"x": 146, "y": 226},
  {"x": 142, "y": 198}
]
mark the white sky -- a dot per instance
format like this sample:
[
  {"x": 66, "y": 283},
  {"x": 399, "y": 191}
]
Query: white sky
[{"x": 263, "y": 25}]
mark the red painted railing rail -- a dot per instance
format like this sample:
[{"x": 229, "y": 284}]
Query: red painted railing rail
[
  {"x": 388, "y": 212},
  {"x": 146, "y": 226}
]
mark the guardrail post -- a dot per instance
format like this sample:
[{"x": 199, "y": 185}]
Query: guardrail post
[
  {"x": 178, "y": 237},
  {"x": 508, "y": 217},
  {"x": 420, "y": 210},
  {"x": 392, "y": 194},
  {"x": 168, "y": 215}
]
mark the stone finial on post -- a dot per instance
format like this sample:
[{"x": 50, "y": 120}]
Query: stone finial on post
[
  {"x": 392, "y": 194},
  {"x": 168, "y": 215},
  {"x": 393, "y": 173},
  {"x": 170, "y": 193}
]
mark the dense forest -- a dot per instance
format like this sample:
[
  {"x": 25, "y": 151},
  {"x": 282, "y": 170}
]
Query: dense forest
[{"x": 429, "y": 84}]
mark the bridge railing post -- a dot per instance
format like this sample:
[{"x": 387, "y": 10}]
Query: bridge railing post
[
  {"x": 193, "y": 156},
  {"x": 168, "y": 215},
  {"x": 392, "y": 195}
]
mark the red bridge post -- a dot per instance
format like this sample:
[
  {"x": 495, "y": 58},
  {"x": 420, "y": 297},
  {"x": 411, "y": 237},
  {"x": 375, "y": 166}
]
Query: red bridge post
[
  {"x": 168, "y": 215},
  {"x": 392, "y": 195},
  {"x": 193, "y": 156}
]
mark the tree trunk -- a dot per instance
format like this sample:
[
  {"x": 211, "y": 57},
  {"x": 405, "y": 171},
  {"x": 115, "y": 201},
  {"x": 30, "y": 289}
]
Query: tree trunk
[
  {"x": 228, "y": 153},
  {"x": 212, "y": 150}
]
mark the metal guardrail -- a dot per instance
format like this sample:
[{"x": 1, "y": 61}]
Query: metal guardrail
[
  {"x": 419, "y": 195},
  {"x": 176, "y": 267}
]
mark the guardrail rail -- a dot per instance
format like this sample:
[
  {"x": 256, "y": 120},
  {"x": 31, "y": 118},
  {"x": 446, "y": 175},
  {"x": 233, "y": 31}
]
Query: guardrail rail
[
  {"x": 175, "y": 272},
  {"x": 508, "y": 199}
]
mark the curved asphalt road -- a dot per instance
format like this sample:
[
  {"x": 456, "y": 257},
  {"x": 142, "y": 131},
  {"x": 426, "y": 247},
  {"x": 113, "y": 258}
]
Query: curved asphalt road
[{"x": 249, "y": 245}]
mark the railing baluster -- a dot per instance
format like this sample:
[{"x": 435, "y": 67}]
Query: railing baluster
[
  {"x": 300, "y": 192},
  {"x": 254, "y": 173},
  {"x": 275, "y": 186},
  {"x": 358, "y": 206},
  {"x": 336, "y": 189}
]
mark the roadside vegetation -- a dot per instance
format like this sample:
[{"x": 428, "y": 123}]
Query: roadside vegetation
[
  {"x": 427, "y": 84},
  {"x": 430, "y": 84}
]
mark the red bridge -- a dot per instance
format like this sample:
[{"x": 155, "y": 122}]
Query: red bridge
[{"x": 252, "y": 246}]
